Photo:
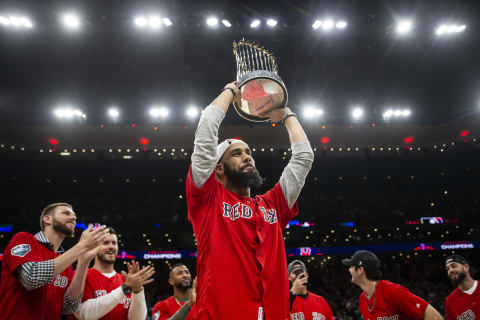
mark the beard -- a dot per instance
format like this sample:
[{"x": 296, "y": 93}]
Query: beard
[
  {"x": 62, "y": 228},
  {"x": 243, "y": 179},
  {"x": 182, "y": 286},
  {"x": 456, "y": 281},
  {"x": 102, "y": 258}
]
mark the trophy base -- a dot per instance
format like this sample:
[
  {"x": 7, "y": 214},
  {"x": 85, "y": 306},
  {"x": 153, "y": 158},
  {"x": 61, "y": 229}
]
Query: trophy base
[{"x": 261, "y": 92}]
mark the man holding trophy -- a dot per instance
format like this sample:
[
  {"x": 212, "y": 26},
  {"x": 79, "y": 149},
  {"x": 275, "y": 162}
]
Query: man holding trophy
[{"x": 241, "y": 266}]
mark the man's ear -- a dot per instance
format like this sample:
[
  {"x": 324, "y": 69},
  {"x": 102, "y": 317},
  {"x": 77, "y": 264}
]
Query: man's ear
[
  {"x": 220, "y": 170},
  {"x": 170, "y": 280},
  {"x": 47, "y": 219}
]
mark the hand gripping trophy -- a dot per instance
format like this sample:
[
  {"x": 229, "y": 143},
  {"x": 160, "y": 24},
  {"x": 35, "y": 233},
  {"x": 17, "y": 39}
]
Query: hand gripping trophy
[{"x": 261, "y": 88}]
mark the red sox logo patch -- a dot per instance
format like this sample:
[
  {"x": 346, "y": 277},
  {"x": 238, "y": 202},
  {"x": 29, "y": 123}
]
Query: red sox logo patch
[{"x": 240, "y": 210}]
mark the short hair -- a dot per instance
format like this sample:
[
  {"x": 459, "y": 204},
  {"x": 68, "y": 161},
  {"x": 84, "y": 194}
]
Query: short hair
[
  {"x": 372, "y": 275},
  {"x": 173, "y": 268},
  {"x": 48, "y": 210},
  {"x": 112, "y": 231}
]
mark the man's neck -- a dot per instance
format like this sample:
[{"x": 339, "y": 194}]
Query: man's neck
[
  {"x": 103, "y": 267},
  {"x": 54, "y": 237},
  {"x": 368, "y": 286},
  {"x": 466, "y": 284},
  {"x": 181, "y": 295},
  {"x": 243, "y": 191}
]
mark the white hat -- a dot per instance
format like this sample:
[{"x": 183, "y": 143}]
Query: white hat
[{"x": 222, "y": 147}]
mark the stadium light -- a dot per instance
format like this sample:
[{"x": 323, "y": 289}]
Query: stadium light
[
  {"x": 317, "y": 24},
  {"x": 341, "y": 24},
  {"x": 357, "y": 113},
  {"x": 16, "y": 21},
  {"x": 271, "y": 23},
  {"x": 166, "y": 21},
  {"x": 140, "y": 21},
  {"x": 212, "y": 22},
  {"x": 71, "y": 21},
  {"x": 161, "y": 112},
  {"x": 445, "y": 29},
  {"x": 69, "y": 113},
  {"x": 404, "y": 27},
  {"x": 396, "y": 113},
  {"x": 255, "y": 23},
  {"x": 113, "y": 113},
  {"x": 328, "y": 25},
  {"x": 192, "y": 112},
  {"x": 154, "y": 22},
  {"x": 226, "y": 23},
  {"x": 312, "y": 112}
]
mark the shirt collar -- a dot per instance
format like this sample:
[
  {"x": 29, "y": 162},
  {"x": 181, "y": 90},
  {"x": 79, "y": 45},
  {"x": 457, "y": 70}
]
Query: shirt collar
[{"x": 42, "y": 238}]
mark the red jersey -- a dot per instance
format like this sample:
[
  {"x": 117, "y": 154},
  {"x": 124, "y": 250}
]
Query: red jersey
[
  {"x": 97, "y": 285},
  {"x": 463, "y": 306},
  {"x": 167, "y": 308},
  {"x": 391, "y": 301},
  {"x": 16, "y": 302},
  {"x": 241, "y": 265},
  {"x": 311, "y": 307}
]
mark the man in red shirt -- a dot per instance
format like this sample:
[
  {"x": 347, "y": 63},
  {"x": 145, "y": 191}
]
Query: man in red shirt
[
  {"x": 241, "y": 265},
  {"x": 37, "y": 280},
  {"x": 109, "y": 295},
  {"x": 464, "y": 302},
  {"x": 382, "y": 299},
  {"x": 181, "y": 305},
  {"x": 305, "y": 305}
]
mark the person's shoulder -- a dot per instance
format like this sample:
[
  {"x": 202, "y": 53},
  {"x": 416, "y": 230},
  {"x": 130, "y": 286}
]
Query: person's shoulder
[
  {"x": 389, "y": 286},
  {"x": 452, "y": 295},
  {"x": 22, "y": 239},
  {"x": 314, "y": 296},
  {"x": 165, "y": 302}
]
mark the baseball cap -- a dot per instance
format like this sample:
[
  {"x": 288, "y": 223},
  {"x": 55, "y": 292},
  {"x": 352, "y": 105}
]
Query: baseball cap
[
  {"x": 296, "y": 264},
  {"x": 222, "y": 147},
  {"x": 363, "y": 258},
  {"x": 456, "y": 258}
]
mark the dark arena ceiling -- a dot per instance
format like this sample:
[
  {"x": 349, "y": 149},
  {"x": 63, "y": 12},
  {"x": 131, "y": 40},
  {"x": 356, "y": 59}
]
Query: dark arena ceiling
[{"x": 109, "y": 61}]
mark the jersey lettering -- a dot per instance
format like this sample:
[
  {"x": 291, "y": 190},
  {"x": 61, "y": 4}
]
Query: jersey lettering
[
  {"x": 318, "y": 316},
  {"x": 269, "y": 215},
  {"x": 99, "y": 293},
  {"x": 467, "y": 315},
  {"x": 395, "y": 317},
  {"x": 238, "y": 210},
  {"x": 60, "y": 281},
  {"x": 297, "y": 316},
  {"x": 126, "y": 302}
]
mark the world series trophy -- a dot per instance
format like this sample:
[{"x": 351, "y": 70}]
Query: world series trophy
[{"x": 261, "y": 88}]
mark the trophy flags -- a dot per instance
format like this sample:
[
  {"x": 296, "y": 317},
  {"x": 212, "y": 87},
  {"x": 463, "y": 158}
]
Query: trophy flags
[{"x": 261, "y": 88}]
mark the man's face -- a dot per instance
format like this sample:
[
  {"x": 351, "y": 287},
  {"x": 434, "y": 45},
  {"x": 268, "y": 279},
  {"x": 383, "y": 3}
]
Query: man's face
[
  {"x": 64, "y": 220},
  {"x": 239, "y": 166},
  {"x": 107, "y": 251},
  {"x": 355, "y": 273},
  {"x": 180, "y": 278},
  {"x": 456, "y": 272}
]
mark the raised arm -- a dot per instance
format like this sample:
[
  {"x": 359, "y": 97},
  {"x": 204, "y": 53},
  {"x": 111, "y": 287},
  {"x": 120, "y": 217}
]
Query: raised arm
[
  {"x": 294, "y": 174},
  {"x": 204, "y": 157}
]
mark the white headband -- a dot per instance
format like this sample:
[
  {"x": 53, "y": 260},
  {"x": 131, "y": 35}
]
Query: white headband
[{"x": 222, "y": 147}]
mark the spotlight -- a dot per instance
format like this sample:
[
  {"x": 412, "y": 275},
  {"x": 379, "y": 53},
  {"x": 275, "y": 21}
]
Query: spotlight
[
  {"x": 69, "y": 113},
  {"x": 113, "y": 113},
  {"x": 357, "y": 113},
  {"x": 226, "y": 23},
  {"x": 26, "y": 22},
  {"x": 255, "y": 23},
  {"x": 212, "y": 21},
  {"x": 341, "y": 24},
  {"x": 404, "y": 27},
  {"x": 388, "y": 114},
  {"x": 140, "y": 21},
  {"x": 449, "y": 29},
  {"x": 317, "y": 24},
  {"x": 71, "y": 21},
  {"x": 4, "y": 21},
  {"x": 15, "y": 21},
  {"x": 155, "y": 22},
  {"x": 192, "y": 112},
  {"x": 159, "y": 112},
  {"x": 312, "y": 112},
  {"x": 397, "y": 113},
  {"x": 406, "y": 113},
  {"x": 166, "y": 21},
  {"x": 460, "y": 28},
  {"x": 327, "y": 25},
  {"x": 271, "y": 22},
  {"x": 441, "y": 30}
]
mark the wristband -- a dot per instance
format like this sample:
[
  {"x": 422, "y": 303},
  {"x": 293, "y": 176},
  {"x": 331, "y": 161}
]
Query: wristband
[
  {"x": 234, "y": 92},
  {"x": 288, "y": 115}
]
